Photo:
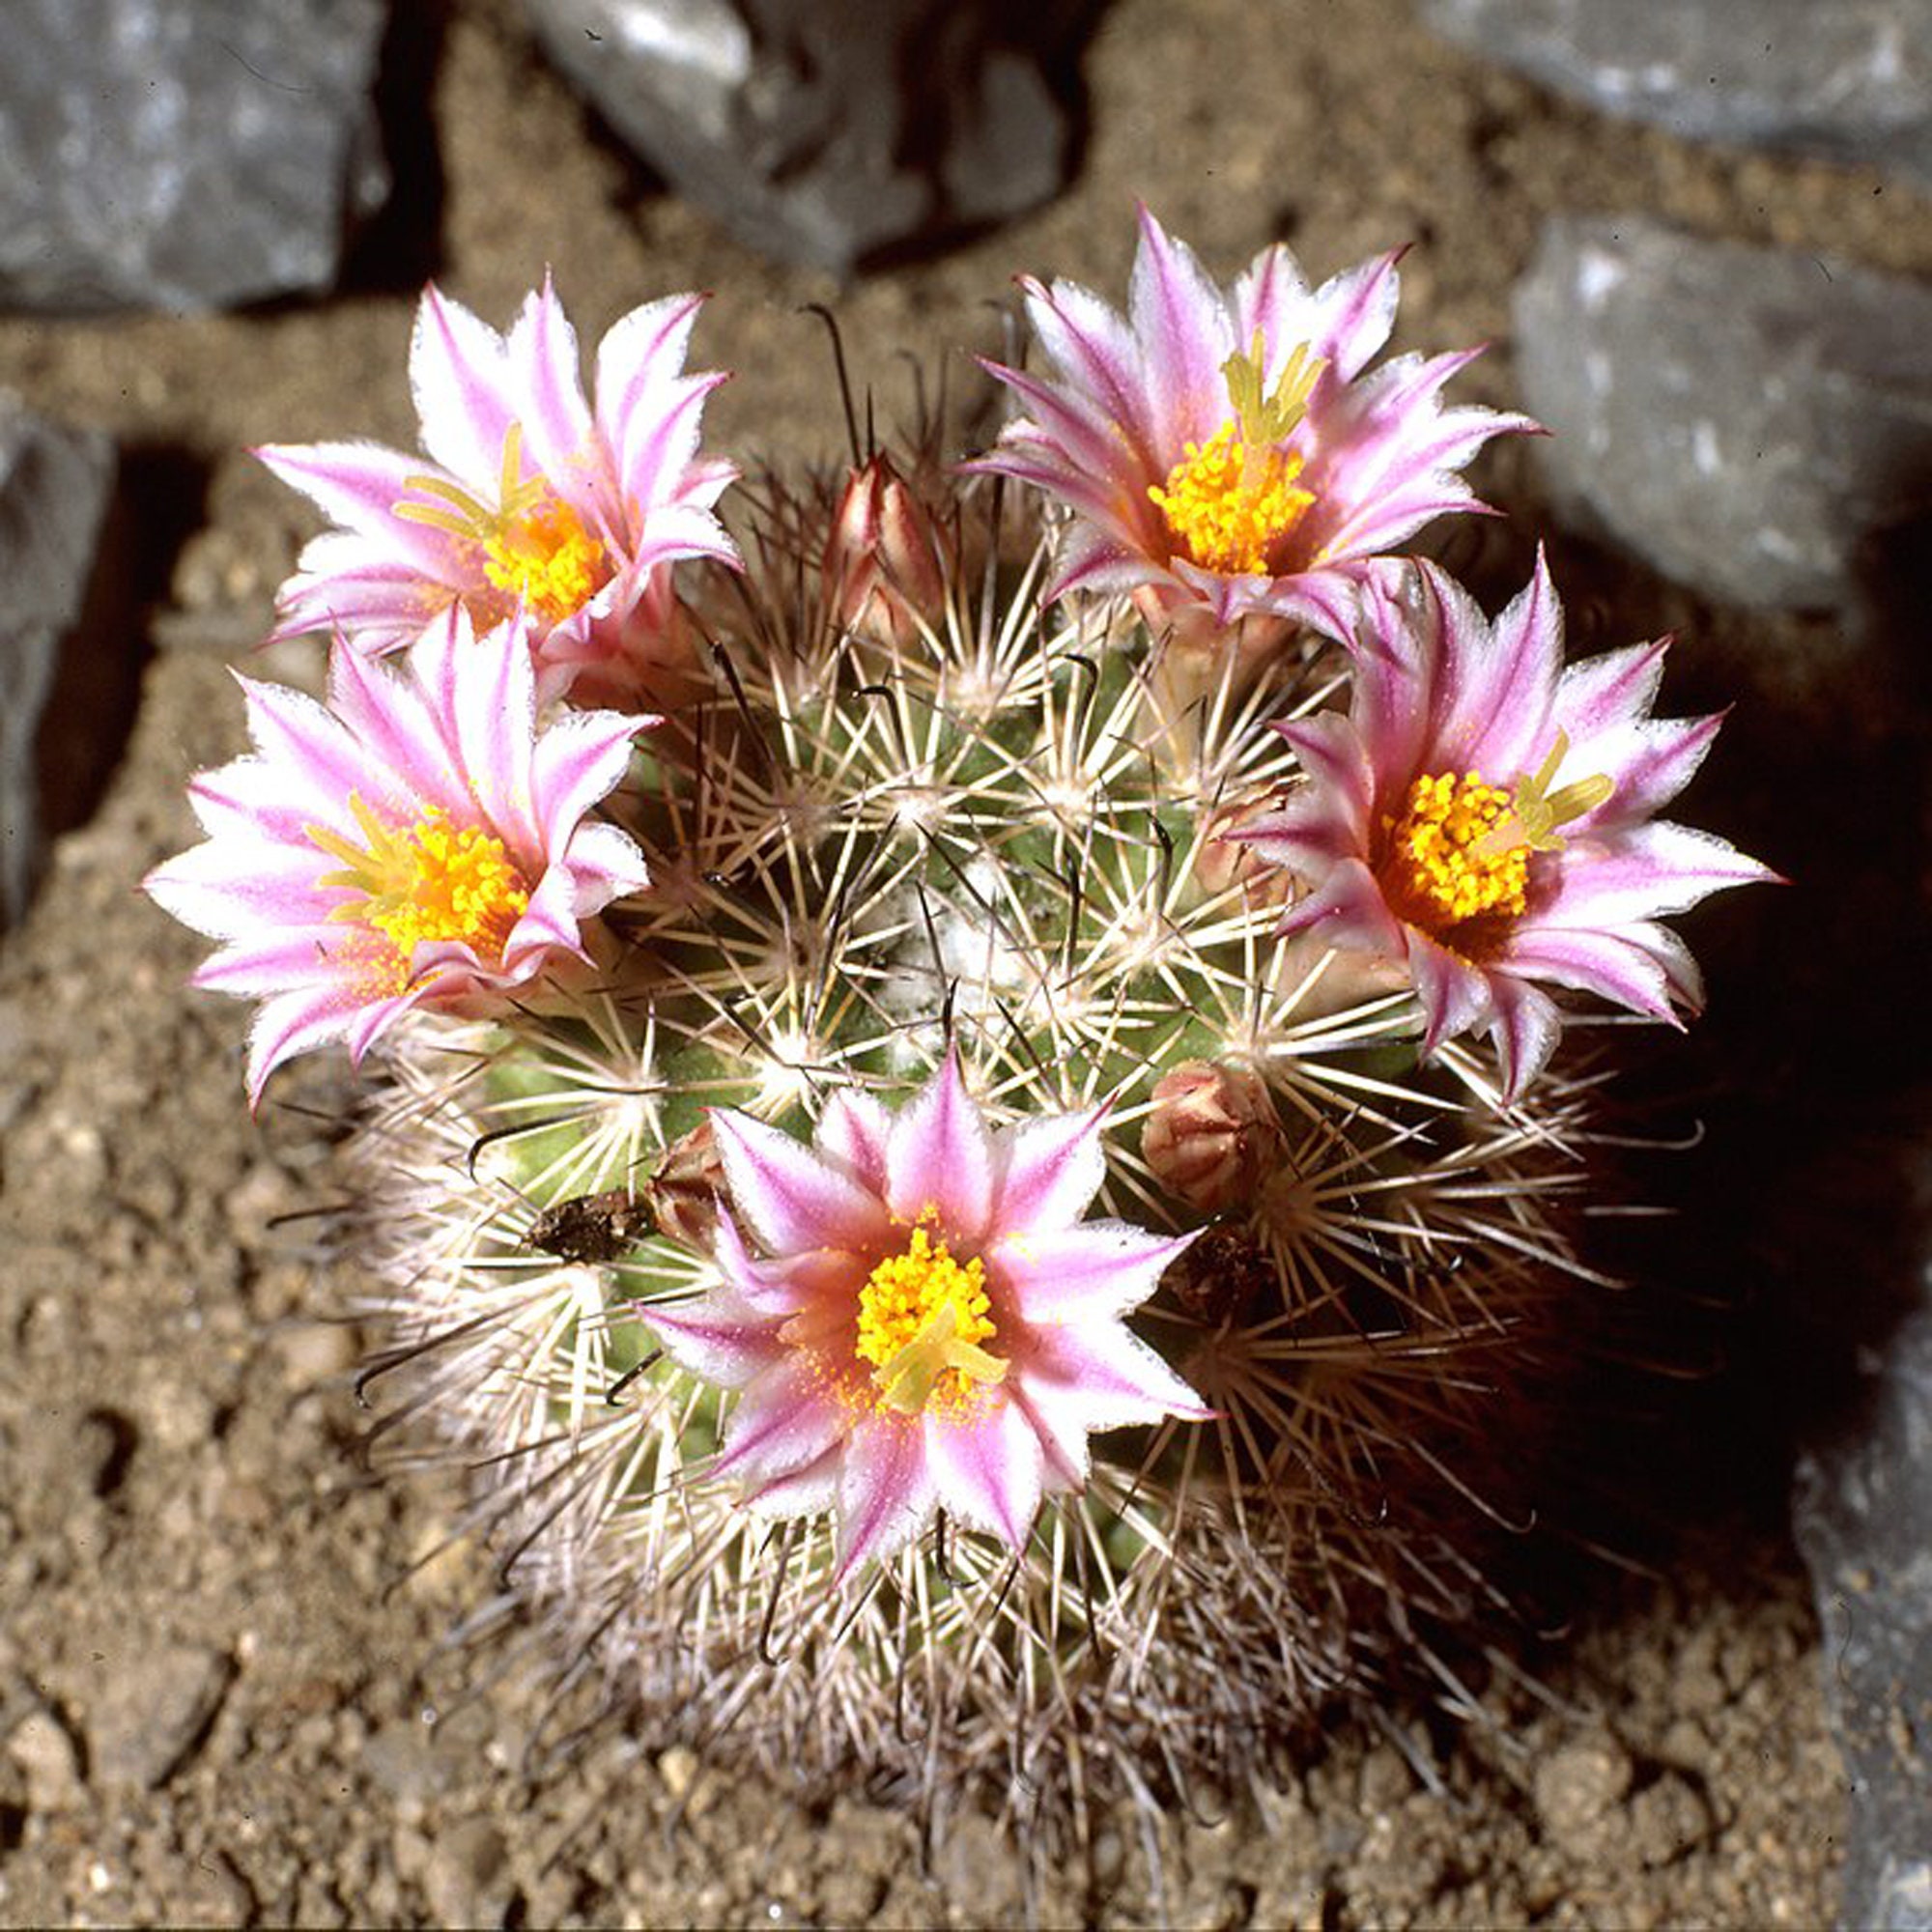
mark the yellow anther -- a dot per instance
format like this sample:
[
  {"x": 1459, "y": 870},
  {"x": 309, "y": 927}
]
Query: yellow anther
[
  {"x": 429, "y": 881},
  {"x": 1460, "y": 847},
  {"x": 922, "y": 1318},
  {"x": 535, "y": 546},
  {"x": 549, "y": 560},
  {"x": 1226, "y": 502},
  {"x": 1231, "y": 498},
  {"x": 1440, "y": 867}
]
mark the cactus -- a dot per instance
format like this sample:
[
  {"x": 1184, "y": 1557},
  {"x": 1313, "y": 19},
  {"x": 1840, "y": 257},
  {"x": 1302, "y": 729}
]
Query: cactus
[{"x": 1223, "y": 993}]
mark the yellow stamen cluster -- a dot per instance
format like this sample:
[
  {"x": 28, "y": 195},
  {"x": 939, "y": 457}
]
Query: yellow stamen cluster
[
  {"x": 534, "y": 545},
  {"x": 1226, "y": 503},
  {"x": 922, "y": 1317},
  {"x": 1446, "y": 860},
  {"x": 549, "y": 560},
  {"x": 428, "y": 881},
  {"x": 1231, "y": 498}
]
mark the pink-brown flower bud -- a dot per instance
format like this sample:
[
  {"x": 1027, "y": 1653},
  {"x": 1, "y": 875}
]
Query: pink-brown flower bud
[
  {"x": 1212, "y": 1133},
  {"x": 1222, "y": 860},
  {"x": 885, "y": 561},
  {"x": 687, "y": 1187}
]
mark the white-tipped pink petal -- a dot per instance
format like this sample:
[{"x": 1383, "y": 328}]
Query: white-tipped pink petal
[
  {"x": 541, "y": 369},
  {"x": 1081, "y": 1382},
  {"x": 988, "y": 1469},
  {"x": 1182, "y": 326},
  {"x": 885, "y": 1494},
  {"x": 721, "y": 1340},
  {"x": 1053, "y": 1170},
  {"x": 1095, "y": 1271},
  {"x": 792, "y": 1198},
  {"x": 460, "y": 388},
  {"x": 852, "y": 1132},
  {"x": 786, "y": 1419},
  {"x": 939, "y": 1161}
]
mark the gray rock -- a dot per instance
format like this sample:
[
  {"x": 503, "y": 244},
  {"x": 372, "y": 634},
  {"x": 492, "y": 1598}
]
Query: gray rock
[
  {"x": 184, "y": 154},
  {"x": 56, "y": 485},
  {"x": 151, "y": 1710},
  {"x": 1849, "y": 79},
  {"x": 824, "y": 131},
  {"x": 1863, "y": 1511},
  {"x": 1743, "y": 419}
]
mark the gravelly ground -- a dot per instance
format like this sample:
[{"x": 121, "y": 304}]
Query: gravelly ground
[{"x": 220, "y": 1698}]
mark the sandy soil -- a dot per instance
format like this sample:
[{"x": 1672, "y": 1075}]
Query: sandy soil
[{"x": 221, "y": 1688}]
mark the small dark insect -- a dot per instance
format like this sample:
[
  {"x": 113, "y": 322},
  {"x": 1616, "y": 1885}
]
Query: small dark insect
[
  {"x": 593, "y": 1226},
  {"x": 1223, "y": 1276}
]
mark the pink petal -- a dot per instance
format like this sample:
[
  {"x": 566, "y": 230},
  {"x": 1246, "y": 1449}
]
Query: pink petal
[
  {"x": 1352, "y": 313},
  {"x": 1271, "y": 295},
  {"x": 1347, "y": 909},
  {"x": 347, "y": 583},
  {"x": 885, "y": 1491},
  {"x": 1077, "y": 1381},
  {"x": 988, "y": 1470},
  {"x": 1614, "y": 965},
  {"x": 784, "y": 1288},
  {"x": 604, "y": 864},
  {"x": 1076, "y": 440},
  {"x": 1093, "y": 350},
  {"x": 1181, "y": 324},
  {"x": 811, "y": 1489},
  {"x": 1526, "y": 1028},
  {"x": 359, "y": 485},
  {"x": 457, "y": 378},
  {"x": 639, "y": 395},
  {"x": 793, "y": 1199},
  {"x": 1095, "y": 1272},
  {"x": 1053, "y": 1169},
  {"x": 1651, "y": 762},
  {"x": 852, "y": 1132},
  {"x": 719, "y": 1338},
  {"x": 1453, "y": 994},
  {"x": 1649, "y": 870},
  {"x": 1606, "y": 693},
  {"x": 293, "y": 1023},
  {"x": 787, "y": 1418},
  {"x": 940, "y": 1159},
  {"x": 540, "y": 371}
]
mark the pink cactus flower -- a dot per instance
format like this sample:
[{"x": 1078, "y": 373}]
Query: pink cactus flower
[
  {"x": 929, "y": 1325},
  {"x": 416, "y": 843},
  {"x": 1224, "y": 454},
  {"x": 1485, "y": 816},
  {"x": 528, "y": 498}
]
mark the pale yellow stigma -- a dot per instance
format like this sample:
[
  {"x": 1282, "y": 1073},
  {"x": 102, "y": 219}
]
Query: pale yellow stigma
[
  {"x": 534, "y": 547},
  {"x": 429, "y": 881},
  {"x": 1460, "y": 847},
  {"x": 922, "y": 1318},
  {"x": 1231, "y": 500}
]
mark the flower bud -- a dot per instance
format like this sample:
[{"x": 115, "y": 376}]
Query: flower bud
[
  {"x": 686, "y": 1189},
  {"x": 1212, "y": 1133},
  {"x": 884, "y": 568},
  {"x": 1222, "y": 860}
]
